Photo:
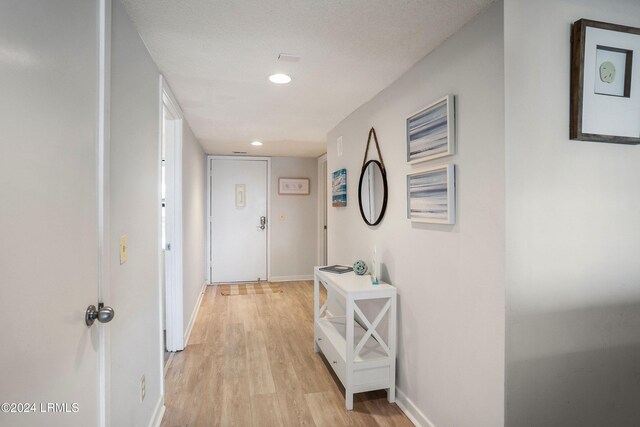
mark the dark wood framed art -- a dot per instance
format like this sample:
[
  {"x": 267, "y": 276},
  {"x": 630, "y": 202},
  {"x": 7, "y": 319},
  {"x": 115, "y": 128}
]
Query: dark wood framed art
[{"x": 605, "y": 83}]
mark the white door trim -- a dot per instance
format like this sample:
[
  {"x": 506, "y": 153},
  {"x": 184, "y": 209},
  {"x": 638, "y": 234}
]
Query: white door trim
[
  {"x": 103, "y": 147},
  {"x": 160, "y": 251},
  {"x": 173, "y": 211},
  {"x": 209, "y": 257},
  {"x": 322, "y": 208},
  {"x": 210, "y": 159}
]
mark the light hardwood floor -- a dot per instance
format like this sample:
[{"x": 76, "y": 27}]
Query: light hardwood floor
[{"x": 250, "y": 362}]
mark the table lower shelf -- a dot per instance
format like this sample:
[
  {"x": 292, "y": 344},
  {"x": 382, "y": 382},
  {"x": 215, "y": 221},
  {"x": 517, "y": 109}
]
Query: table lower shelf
[
  {"x": 335, "y": 330},
  {"x": 370, "y": 371}
]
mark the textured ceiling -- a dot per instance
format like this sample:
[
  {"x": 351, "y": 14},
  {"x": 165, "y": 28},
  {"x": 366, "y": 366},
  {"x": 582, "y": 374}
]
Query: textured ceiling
[{"x": 217, "y": 56}]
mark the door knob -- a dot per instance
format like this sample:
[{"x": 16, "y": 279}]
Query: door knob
[{"x": 103, "y": 314}]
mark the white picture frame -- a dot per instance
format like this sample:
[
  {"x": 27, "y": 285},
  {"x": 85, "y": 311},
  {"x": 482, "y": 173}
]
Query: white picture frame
[
  {"x": 431, "y": 195},
  {"x": 618, "y": 82},
  {"x": 431, "y": 131},
  {"x": 294, "y": 186}
]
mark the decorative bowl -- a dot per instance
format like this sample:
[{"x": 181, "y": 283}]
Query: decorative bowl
[{"x": 360, "y": 267}]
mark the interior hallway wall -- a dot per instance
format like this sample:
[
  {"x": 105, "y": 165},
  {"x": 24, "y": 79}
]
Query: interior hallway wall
[
  {"x": 450, "y": 279},
  {"x": 573, "y": 237},
  {"x": 294, "y": 237},
  {"x": 194, "y": 230},
  {"x": 134, "y": 208}
]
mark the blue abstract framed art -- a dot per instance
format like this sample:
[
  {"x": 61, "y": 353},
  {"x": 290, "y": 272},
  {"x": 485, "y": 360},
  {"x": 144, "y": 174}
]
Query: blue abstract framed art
[
  {"x": 431, "y": 131},
  {"x": 431, "y": 195}
]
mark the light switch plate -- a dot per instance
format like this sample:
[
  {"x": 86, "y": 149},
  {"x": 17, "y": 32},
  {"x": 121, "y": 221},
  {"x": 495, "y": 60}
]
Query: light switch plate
[{"x": 123, "y": 249}]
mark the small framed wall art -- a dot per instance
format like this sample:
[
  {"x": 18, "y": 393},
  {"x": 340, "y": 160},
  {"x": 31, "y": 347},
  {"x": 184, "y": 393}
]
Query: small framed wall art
[
  {"x": 431, "y": 131},
  {"x": 431, "y": 195},
  {"x": 605, "y": 83},
  {"x": 339, "y": 188},
  {"x": 293, "y": 186}
]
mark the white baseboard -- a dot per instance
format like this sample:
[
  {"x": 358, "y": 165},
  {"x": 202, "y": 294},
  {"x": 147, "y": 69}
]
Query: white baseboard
[
  {"x": 192, "y": 320},
  {"x": 411, "y": 410},
  {"x": 290, "y": 278},
  {"x": 158, "y": 413}
]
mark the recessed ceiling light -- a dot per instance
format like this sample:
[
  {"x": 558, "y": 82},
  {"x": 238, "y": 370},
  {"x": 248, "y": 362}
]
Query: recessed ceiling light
[
  {"x": 279, "y": 79},
  {"x": 256, "y": 143}
]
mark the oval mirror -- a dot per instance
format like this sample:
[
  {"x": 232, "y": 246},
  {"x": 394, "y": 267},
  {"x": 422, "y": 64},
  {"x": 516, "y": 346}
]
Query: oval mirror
[{"x": 372, "y": 192}]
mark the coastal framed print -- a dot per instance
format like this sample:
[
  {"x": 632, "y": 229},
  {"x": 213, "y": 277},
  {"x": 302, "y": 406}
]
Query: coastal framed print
[
  {"x": 339, "y": 189},
  {"x": 431, "y": 195},
  {"x": 431, "y": 131},
  {"x": 293, "y": 186},
  {"x": 605, "y": 83}
]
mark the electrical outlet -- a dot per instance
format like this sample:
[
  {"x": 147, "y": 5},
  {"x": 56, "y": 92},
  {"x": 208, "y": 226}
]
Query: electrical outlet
[{"x": 143, "y": 388}]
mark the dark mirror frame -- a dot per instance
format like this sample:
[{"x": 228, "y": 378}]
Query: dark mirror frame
[{"x": 385, "y": 187}]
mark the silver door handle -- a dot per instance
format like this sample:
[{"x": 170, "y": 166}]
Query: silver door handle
[
  {"x": 104, "y": 314},
  {"x": 263, "y": 223}
]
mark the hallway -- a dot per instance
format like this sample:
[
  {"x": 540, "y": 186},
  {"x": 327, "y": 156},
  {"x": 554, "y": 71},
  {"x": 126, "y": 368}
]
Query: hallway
[{"x": 250, "y": 362}]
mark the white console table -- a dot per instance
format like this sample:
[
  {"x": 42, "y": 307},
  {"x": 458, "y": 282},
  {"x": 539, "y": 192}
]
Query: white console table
[{"x": 361, "y": 364}]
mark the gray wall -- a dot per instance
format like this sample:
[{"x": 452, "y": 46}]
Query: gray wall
[
  {"x": 450, "y": 279},
  {"x": 134, "y": 198},
  {"x": 194, "y": 230},
  {"x": 293, "y": 240},
  {"x": 573, "y": 239}
]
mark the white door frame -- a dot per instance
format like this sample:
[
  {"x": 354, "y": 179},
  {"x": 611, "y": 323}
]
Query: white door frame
[
  {"x": 103, "y": 147},
  {"x": 210, "y": 159},
  {"x": 173, "y": 224},
  {"x": 323, "y": 192}
]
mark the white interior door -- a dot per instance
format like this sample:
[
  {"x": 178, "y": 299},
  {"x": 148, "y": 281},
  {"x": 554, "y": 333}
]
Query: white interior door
[
  {"x": 49, "y": 213},
  {"x": 172, "y": 222},
  {"x": 238, "y": 220}
]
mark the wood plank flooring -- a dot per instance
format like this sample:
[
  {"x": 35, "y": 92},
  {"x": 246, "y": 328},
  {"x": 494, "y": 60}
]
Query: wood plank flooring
[{"x": 250, "y": 362}]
